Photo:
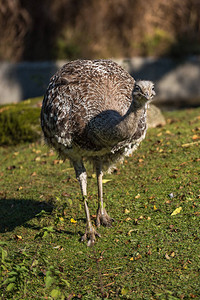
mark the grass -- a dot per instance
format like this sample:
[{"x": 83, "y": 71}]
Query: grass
[
  {"x": 19, "y": 123},
  {"x": 147, "y": 254}
]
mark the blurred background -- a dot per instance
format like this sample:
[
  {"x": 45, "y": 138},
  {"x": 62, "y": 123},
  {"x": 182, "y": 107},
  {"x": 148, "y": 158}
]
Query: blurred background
[{"x": 157, "y": 40}]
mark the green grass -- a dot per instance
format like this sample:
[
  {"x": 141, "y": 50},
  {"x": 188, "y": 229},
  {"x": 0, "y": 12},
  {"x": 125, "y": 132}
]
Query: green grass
[
  {"x": 147, "y": 254},
  {"x": 19, "y": 123}
]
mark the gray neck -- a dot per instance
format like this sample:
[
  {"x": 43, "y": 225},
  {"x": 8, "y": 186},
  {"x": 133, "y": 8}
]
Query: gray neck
[
  {"x": 128, "y": 124},
  {"x": 110, "y": 127}
]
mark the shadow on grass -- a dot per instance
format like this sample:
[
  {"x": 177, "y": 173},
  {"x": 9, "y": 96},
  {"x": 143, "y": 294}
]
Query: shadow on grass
[{"x": 16, "y": 212}]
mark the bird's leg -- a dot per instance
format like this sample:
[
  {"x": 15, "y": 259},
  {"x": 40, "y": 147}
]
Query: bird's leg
[
  {"x": 81, "y": 175},
  {"x": 102, "y": 217}
]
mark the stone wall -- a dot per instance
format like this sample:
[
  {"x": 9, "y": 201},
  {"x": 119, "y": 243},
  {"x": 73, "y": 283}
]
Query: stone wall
[{"x": 177, "y": 82}]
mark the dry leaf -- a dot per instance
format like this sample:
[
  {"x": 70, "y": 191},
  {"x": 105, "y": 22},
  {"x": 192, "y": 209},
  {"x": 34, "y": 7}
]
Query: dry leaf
[
  {"x": 129, "y": 233},
  {"x": 167, "y": 256},
  {"x": 172, "y": 254},
  {"x": 176, "y": 211},
  {"x": 168, "y": 132},
  {"x": 106, "y": 180},
  {"x": 137, "y": 196},
  {"x": 17, "y": 237},
  {"x": 34, "y": 174},
  {"x": 196, "y": 137},
  {"x": 127, "y": 211},
  {"x": 73, "y": 221},
  {"x": 57, "y": 161},
  {"x": 190, "y": 144}
]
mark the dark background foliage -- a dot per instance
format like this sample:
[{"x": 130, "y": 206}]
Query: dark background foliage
[{"x": 49, "y": 29}]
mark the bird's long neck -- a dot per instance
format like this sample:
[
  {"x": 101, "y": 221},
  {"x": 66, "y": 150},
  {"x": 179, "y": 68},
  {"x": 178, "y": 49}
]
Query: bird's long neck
[{"x": 128, "y": 124}]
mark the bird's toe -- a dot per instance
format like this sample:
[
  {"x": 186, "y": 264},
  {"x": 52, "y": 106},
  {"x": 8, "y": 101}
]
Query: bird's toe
[
  {"x": 103, "y": 219},
  {"x": 90, "y": 235}
]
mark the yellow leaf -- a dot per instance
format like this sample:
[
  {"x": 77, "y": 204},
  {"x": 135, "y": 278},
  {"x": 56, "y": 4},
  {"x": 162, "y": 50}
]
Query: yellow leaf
[
  {"x": 137, "y": 196},
  {"x": 168, "y": 132},
  {"x": 127, "y": 211},
  {"x": 61, "y": 219},
  {"x": 154, "y": 207},
  {"x": 196, "y": 137},
  {"x": 129, "y": 233},
  {"x": 176, "y": 211},
  {"x": 106, "y": 180},
  {"x": 73, "y": 221},
  {"x": 167, "y": 256},
  {"x": 34, "y": 174},
  {"x": 93, "y": 175},
  {"x": 159, "y": 134},
  {"x": 131, "y": 258},
  {"x": 18, "y": 237}
]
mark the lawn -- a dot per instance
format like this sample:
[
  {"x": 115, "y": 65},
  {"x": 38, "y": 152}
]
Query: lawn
[{"x": 152, "y": 251}]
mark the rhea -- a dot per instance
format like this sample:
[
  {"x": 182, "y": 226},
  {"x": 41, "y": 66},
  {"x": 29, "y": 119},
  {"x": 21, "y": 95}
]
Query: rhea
[{"x": 94, "y": 109}]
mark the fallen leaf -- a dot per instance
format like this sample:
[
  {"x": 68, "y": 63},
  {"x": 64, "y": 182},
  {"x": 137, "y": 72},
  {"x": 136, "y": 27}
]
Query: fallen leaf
[
  {"x": 167, "y": 256},
  {"x": 127, "y": 211},
  {"x": 159, "y": 134},
  {"x": 73, "y": 221},
  {"x": 106, "y": 180},
  {"x": 57, "y": 161},
  {"x": 190, "y": 144},
  {"x": 129, "y": 233},
  {"x": 11, "y": 167},
  {"x": 172, "y": 254},
  {"x": 149, "y": 252},
  {"x": 138, "y": 257},
  {"x": 38, "y": 158},
  {"x": 196, "y": 137},
  {"x": 168, "y": 132},
  {"x": 176, "y": 211},
  {"x": 17, "y": 237},
  {"x": 154, "y": 207},
  {"x": 137, "y": 196}
]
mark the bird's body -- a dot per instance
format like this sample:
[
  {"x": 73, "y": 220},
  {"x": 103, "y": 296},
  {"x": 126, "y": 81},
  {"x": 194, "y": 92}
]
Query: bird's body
[{"x": 89, "y": 111}]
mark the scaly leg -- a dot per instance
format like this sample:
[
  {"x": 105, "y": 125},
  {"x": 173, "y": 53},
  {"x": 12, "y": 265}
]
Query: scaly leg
[
  {"x": 81, "y": 175},
  {"x": 102, "y": 217}
]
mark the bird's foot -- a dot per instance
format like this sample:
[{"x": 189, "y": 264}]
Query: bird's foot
[
  {"x": 90, "y": 235},
  {"x": 103, "y": 218}
]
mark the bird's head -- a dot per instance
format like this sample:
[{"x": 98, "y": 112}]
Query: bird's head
[{"x": 143, "y": 92}]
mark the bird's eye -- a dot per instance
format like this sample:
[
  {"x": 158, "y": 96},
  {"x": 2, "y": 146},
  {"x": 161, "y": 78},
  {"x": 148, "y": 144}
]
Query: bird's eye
[
  {"x": 137, "y": 88},
  {"x": 153, "y": 89}
]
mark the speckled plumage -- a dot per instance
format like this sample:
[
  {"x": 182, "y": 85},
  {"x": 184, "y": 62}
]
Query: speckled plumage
[
  {"x": 94, "y": 109},
  {"x": 80, "y": 91}
]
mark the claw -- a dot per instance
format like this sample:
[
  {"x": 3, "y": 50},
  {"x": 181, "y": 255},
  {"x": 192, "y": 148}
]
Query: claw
[
  {"x": 90, "y": 234},
  {"x": 103, "y": 218}
]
